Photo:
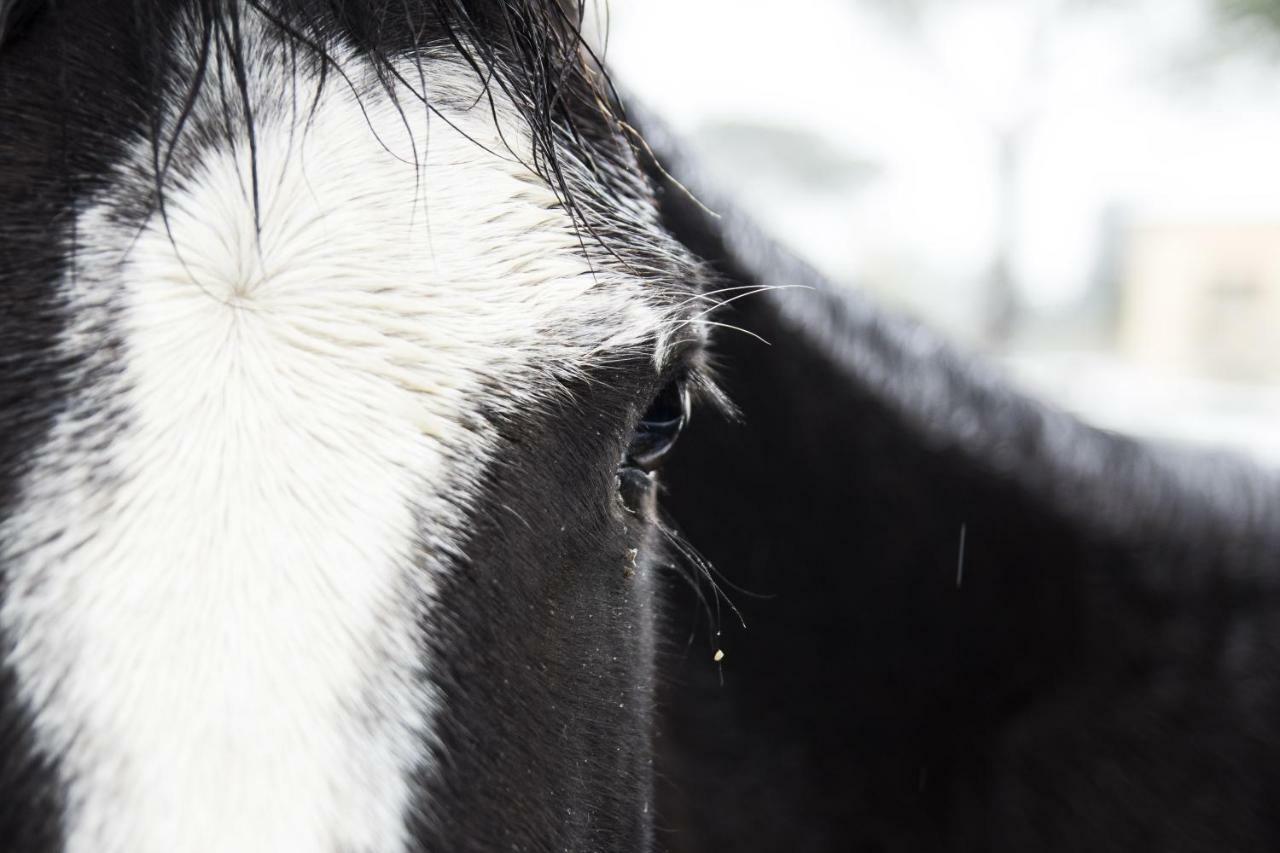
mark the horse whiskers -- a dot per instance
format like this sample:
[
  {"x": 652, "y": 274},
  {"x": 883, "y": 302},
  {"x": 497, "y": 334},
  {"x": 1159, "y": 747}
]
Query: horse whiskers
[
  {"x": 704, "y": 297},
  {"x": 701, "y": 570},
  {"x": 752, "y": 290},
  {"x": 746, "y": 332}
]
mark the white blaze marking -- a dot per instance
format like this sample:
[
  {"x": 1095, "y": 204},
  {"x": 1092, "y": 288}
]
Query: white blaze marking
[{"x": 217, "y": 577}]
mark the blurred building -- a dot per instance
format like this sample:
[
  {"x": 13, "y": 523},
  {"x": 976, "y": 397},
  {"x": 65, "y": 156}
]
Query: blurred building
[{"x": 1202, "y": 298}]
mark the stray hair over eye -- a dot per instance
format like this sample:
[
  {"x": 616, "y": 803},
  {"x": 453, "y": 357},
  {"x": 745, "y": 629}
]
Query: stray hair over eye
[{"x": 657, "y": 431}]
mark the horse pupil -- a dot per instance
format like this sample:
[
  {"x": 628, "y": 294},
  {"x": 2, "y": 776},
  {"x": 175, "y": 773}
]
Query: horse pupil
[{"x": 658, "y": 430}]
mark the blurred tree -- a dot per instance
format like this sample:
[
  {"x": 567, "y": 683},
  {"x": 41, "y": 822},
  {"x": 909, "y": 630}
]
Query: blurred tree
[
  {"x": 1250, "y": 24},
  {"x": 1262, "y": 12},
  {"x": 1004, "y": 88}
]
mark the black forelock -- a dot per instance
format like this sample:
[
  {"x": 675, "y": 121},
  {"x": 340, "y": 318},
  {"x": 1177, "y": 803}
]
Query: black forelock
[{"x": 529, "y": 52}]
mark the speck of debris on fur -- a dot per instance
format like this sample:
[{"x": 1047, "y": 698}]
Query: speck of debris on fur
[{"x": 719, "y": 656}]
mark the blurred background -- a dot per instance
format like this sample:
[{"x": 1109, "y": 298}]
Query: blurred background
[{"x": 1087, "y": 190}]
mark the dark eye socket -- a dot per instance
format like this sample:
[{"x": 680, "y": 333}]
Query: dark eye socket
[{"x": 658, "y": 430}]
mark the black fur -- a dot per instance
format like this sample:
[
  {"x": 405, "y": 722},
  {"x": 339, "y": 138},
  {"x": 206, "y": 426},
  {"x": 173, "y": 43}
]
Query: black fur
[
  {"x": 547, "y": 666},
  {"x": 1101, "y": 673}
]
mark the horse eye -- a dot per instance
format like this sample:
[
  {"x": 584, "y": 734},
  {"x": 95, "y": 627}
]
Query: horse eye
[{"x": 658, "y": 430}]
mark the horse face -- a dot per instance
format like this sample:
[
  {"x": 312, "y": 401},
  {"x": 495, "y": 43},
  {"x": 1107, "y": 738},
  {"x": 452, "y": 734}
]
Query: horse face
[{"x": 328, "y": 484}]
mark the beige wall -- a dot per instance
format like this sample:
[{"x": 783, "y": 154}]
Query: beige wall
[{"x": 1203, "y": 299}]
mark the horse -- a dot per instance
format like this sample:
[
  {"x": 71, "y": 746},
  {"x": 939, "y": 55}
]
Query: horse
[{"x": 346, "y": 345}]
